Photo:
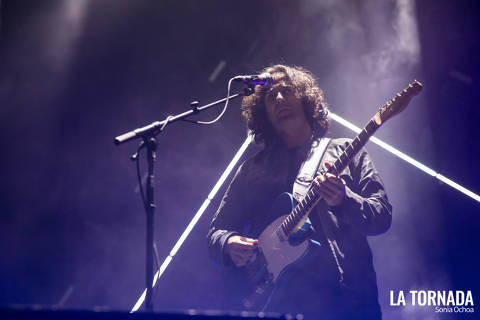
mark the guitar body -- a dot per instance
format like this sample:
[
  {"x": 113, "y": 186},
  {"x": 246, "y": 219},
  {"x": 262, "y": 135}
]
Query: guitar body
[
  {"x": 280, "y": 253},
  {"x": 275, "y": 261}
]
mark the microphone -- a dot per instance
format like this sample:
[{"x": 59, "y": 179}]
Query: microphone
[{"x": 265, "y": 80}]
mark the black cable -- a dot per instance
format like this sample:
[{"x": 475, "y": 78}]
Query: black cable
[{"x": 221, "y": 113}]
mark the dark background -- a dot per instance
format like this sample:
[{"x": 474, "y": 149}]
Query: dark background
[{"x": 74, "y": 74}]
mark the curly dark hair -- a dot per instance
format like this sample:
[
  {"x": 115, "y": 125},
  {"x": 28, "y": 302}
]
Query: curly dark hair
[{"x": 305, "y": 88}]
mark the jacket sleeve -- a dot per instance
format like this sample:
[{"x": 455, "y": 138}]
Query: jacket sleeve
[
  {"x": 229, "y": 218},
  {"x": 366, "y": 207}
]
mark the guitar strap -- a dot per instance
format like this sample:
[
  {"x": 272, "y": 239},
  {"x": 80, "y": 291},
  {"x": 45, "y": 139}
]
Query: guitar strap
[
  {"x": 309, "y": 168},
  {"x": 301, "y": 186}
]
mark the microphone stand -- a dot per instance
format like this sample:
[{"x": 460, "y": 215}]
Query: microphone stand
[{"x": 147, "y": 134}]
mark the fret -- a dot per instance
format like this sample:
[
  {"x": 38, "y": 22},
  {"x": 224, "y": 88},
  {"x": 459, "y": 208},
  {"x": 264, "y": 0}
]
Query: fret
[
  {"x": 296, "y": 210},
  {"x": 339, "y": 161},
  {"x": 355, "y": 143},
  {"x": 289, "y": 228},
  {"x": 296, "y": 220},
  {"x": 294, "y": 216},
  {"x": 309, "y": 198},
  {"x": 313, "y": 194},
  {"x": 345, "y": 159},
  {"x": 363, "y": 136},
  {"x": 350, "y": 151},
  {"x": 288, "y": 220},
  {"x": 336, "y": 167},
  {"x": 371, "y": 127},
  {"x": 301, "y": 212},
  {"x": 303, "y": 203},
  {"x": 307, "y": 202},
  {"x": 291, "y": 218},
  {"x": 300, "y": 205}
]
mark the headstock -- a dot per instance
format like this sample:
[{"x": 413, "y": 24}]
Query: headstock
[{"x": 398, "y": 103}]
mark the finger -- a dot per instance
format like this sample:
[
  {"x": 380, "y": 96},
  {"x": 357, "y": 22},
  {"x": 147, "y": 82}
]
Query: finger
[
  {"x": 329, "y": 165},
  {"x": 335, "y": 179},
  {"x": 329, "y": 199},
  {"x": 243, "y": 244},
  {"x": 335, "y": 182},
  {"x": 322, "y": 183},
  {"x": 330, "y": 176},
  {"x": 333, "y": 197},
  {"x": 243, "y": 247},
  {"x": 317, "y": 183},
  {"x": 247, "y": 242},
  {"x": 250, "y": 240},
  {"x": 332, "y": 187},
  {"x": 319, "y": 179},
  {"x": 326, "y": 194}
]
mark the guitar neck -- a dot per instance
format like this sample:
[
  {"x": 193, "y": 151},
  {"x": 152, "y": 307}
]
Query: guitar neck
[
  {"x": 299, "y": 215},
  {"x": 354, "y": 147}
]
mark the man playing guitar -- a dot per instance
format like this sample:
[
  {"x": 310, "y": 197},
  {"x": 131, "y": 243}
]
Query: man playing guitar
[{"x": 338, "y": 281}]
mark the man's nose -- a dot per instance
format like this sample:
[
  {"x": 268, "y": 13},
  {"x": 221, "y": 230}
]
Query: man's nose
[{"x": 279, "y": 96}]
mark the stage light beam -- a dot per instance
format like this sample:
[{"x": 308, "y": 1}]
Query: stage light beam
[{"x": 407, "y": 158}]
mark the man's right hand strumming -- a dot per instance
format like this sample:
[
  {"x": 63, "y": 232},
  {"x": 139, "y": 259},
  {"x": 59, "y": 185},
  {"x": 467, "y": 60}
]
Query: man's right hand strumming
[{"x": 240, "y": 249}]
